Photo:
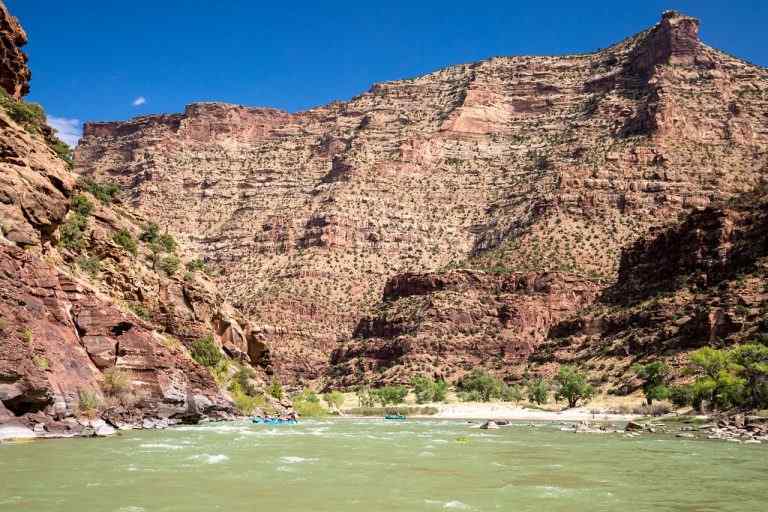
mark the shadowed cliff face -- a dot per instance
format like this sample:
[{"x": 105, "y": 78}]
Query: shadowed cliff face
[
  {"x": 76, "y": 303},
  {"x": 531, "y": 164},
  {"x": 698, "y": 283}
]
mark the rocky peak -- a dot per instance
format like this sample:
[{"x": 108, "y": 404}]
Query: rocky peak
[
  {"x": 14, "y": 73},
  {"x": 674, "y": 40}
]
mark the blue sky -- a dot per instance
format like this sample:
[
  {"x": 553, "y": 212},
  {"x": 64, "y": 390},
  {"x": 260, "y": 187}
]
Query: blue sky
[{"x": 108, "y": 59}]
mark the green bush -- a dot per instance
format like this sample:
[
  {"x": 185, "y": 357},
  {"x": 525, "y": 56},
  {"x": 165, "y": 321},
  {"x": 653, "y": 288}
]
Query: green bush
[
  {"x": 334, "y": 399},
  {"x": 91, "y": 266},
  {"x": 140, "y": 311},
  {"x": 205, "y": 352},
  {"x": 64, "y": 152},
  {"x": 538, "y": 391},
  {"x": 511, "y": 393},
  {"x": 167, "y": 242},
  {"x": 243, "y": 378},
  {"x": 71, "y": 233},
  {"x": 428, "y": 390},
  {"x": 480, "y": 386},
  {"x": 365, "y": 397},
  {"x": 104, "y": 192},
  {"x": 88, "y": 403},
  {"x": 196, "y": 265},
  {"x": 82, "y": 205},
  {"x": 150, "y": 234},
  {"x": 654, "y": 376},
  {"x": 390, "y": 395},
  {"x": 681, "y": 396},
  {"x": 572, "y": 386},
  {"x": 124, "y": 239},
  {"x": 275, "y": 389},
  {"x": 170, "y": 265}
]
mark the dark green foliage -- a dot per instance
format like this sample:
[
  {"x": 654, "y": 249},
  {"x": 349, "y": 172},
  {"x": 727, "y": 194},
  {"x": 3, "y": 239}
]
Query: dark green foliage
[
  {"x": 30, "y": 115},
  {"x": 196, "y": 265},
  {"x": 170, "y": 264},
  {"x": 81, "y": 205},
  {"x": 479, "y": 385},
  {"x": 124, "y": 239},
  {"x": 104, "y": 192},
  {"x": 538, "y": 391},
  {"x": 572, "y": 386},
  {"x": 167, "y": 242},
  {"x": 654, "y": 377},
  {"x": 750, "y": 365},
  {"x": 205, "y": 352},
  {"x": 150, "y": 234},
  {"x": 681, "y": 396},
  {"x": 428, "y": 390}
]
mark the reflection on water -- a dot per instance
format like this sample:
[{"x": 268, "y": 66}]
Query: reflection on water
[{"x": 363, "y": 465}]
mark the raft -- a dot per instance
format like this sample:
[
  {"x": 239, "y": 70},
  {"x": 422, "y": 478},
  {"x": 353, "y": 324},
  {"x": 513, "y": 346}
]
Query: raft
[
  {"x": 398, "y": 417},
  {"x": 273, "y": 421}
]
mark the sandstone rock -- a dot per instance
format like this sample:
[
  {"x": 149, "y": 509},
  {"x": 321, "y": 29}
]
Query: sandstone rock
[{"x": 14, "y": 73}]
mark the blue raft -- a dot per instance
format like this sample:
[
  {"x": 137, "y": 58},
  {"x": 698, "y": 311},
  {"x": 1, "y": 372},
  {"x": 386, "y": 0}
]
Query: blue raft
[{"x": 273, "y": 421}]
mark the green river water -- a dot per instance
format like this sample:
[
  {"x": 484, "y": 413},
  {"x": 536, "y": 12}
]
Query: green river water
[{"x": 374, "y": 465}]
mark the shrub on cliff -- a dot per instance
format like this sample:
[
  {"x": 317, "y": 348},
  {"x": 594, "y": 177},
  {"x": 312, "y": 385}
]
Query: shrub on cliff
[
  {"x": 105, "y": 192},
  {"x": 124, "y": 239},
  {"x": 91, "y": 266},
  {"x": 572, "y": 386},
  {"x": 479, "y": 385},
  {"x": 170, "y": 265},
  {"x": 538, "y": 391},
  {"x": 116, "y": 381},
  {"x": 150, "y": 234},
  {"x": 82, "y": 205},
  {"x": 205, "y": 352},
  {"x": 88, "y": 404},
  {"x": 71, "y": 232}
]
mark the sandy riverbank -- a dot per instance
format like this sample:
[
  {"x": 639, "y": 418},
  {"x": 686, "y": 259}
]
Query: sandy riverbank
[{"x": 489, "y": 411}]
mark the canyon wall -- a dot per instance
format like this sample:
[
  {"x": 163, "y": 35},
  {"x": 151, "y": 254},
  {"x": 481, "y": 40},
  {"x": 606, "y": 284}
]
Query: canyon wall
[{"x": 513, "y": 164}]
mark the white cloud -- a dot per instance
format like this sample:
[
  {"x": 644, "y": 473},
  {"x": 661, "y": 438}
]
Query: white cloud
[
  {"x": 68, "y": 130},
  {"x": 139, "y": 101}
]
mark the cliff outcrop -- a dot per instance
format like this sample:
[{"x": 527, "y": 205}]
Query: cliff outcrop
[{"x": 97, "y": 314}]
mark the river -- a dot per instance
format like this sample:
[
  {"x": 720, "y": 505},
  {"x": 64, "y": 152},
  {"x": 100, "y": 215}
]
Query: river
[{"x": 374, "y": 465}]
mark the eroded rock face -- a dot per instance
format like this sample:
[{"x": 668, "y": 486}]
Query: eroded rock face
[
  {"x": 14, "y": 72},
  {"x": 446, "y": 324},
  {"x": 698, "y": 283},
  {"x": 58, "y": 338},
  {"x": 524, "y": 163}
]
